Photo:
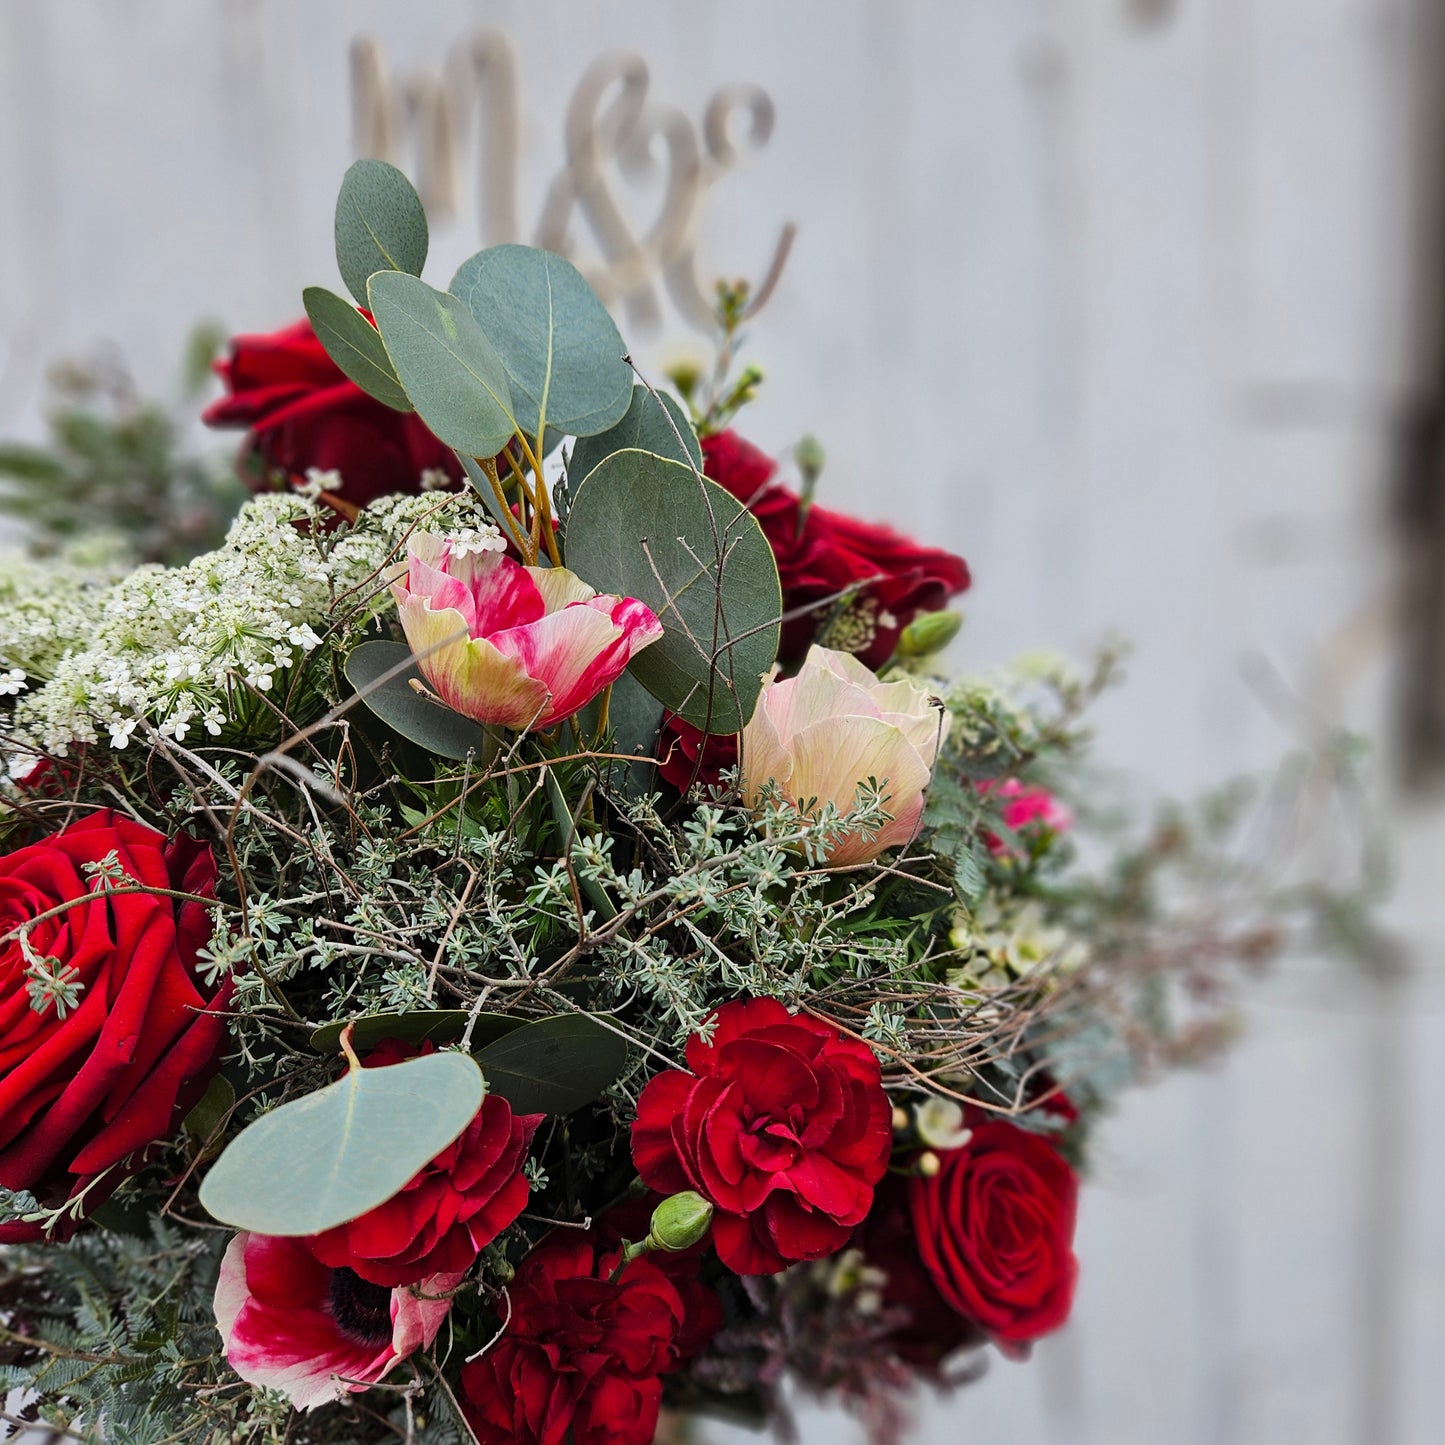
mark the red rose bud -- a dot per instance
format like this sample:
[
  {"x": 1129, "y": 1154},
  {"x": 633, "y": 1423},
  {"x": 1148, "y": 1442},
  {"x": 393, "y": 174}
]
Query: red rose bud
[
  {"x": 782, "y": 1125},
  {"x": 994, "y": 1227},
  {"x": 450, "y": 1210},
  {"x": 680, "y": 1222},
  {"x": 108, "y": 1033},
  {"x": 302, "y": 412}
]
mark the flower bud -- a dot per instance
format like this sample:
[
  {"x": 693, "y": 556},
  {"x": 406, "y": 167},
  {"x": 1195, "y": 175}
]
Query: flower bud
[
  {"x": 940, "y": 1124},
  {"x": 900, "y": 1119},
  {"x": 928, "y": 633},
  {"x": 929, "y": 1164},
  {"x": 680, "y": 1221}
]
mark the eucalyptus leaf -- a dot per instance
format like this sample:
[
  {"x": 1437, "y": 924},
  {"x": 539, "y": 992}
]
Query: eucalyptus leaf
[
  {"x": 555, "y": 1065},
  {"x": 413, "y": 714},
  {"x": 646, "y": 527},
  {"x": 380, "y": 225},
  {"x": 355, "y": 345},
  {"x": 327, "y": 1158},
  {"x": 416, "y": 1026},
  {"x": 450, "y": 371},
  {"x": 567, "y": 830},
  {"x": 562, "y": 350},
  {"x": 653, "y": 423}
]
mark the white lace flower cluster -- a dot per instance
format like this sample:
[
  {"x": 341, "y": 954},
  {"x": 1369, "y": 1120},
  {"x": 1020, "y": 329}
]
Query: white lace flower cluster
[{"x": 189, "y": 650}]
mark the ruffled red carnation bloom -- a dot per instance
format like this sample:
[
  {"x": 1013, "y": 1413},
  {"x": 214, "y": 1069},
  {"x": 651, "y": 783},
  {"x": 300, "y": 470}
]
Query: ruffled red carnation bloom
[
  {"x": 302, "y": 412},
  {"x": 995, "y": 1230},
  {"x": 702, "y": 1310},
  {"x": 783, "y": 1125},
  {"x": 85, "y": 1088},
  {"x": 453, "y": 1207},
  {"x": 821, "y": 553},
  {"x": 687, "y": 755},
  {"x": 582, "y": 1352}
]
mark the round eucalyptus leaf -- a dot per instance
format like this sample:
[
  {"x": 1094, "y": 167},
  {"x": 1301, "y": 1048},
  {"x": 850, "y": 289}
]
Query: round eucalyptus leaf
[
  {"x": 450, "y": 371},
  {"x": 555, "y": 1065},
  {"x": 653, "y": 423},
  {"x": 327, "y": 1158},
  {"x": 416, "y": 1026},
  {"x": 646, "y": 527},
  {"x": 562, "y": 351},
  {"x": 430, "y": 724},
  {"x": 355, "y": 345},
  {"x": 380, "y": 225}
]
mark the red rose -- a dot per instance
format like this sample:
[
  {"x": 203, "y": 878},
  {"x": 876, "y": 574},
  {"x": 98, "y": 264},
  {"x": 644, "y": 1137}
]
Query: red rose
[
  {"x": 303, "y": 412},
  {"x": 783, "y": 1125},
  {"x": 451, "y": 1210},
  {"x": 582, "y": 1352},
  {"x": 79, "y": 1094},
  {"x": 995, "y": 1230},
  {"x": 933, "y": 1330},
  {"x": 822, "y": 553}
]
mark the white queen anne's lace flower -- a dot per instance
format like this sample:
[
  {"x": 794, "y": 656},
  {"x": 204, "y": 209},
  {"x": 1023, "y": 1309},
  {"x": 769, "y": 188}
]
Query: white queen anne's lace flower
[{"x": 185, "y": 649}]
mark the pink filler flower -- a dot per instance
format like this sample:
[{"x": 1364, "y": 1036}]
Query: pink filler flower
[
  {"x": 513, "y": 646},
  {"x": 291, "y": 1324}
]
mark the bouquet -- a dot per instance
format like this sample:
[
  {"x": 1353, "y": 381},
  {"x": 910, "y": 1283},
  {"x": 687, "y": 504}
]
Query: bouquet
[{"x": 524, "y": 933}]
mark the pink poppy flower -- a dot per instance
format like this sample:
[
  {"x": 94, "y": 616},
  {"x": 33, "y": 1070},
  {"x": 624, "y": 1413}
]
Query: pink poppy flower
[
  {"x": 291, "y": 1324},
  {"x": 513, "y": 646}
]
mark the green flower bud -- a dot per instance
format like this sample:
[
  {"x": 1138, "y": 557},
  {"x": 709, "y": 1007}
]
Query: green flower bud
[
  {"x": 928, "y": 633},
  {"x": 680, "y": 1221}
]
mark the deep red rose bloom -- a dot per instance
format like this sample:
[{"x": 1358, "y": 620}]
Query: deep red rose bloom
[
  {"x": 301, "y": 411},
  {"x": 80, "y": 1093},
  {"x": 820, "y": 553},
  {"x": 783, "y": 1125},
  {"x": 934, "y": 1329},
  {"x": 451, "y": 1210},
  {"x": 995, "y": 1230},
  {"x": 582, "y": 1352}
]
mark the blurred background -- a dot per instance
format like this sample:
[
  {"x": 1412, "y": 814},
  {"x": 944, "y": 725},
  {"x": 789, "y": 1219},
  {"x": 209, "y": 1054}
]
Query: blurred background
[{"x": 1135, "y": 303}]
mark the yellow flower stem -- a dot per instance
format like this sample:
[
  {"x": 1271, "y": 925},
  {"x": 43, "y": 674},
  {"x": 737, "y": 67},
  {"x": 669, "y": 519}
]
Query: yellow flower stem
[
  {"x": 519, "y": 534},
  {"x": 543, "y": 512}
]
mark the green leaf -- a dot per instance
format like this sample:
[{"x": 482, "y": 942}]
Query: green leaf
[
  {"x": 413, "y": 714},
  {"x": 562, "y": 351},
  {"x": 647, "y": 427},
  {"x": 451, "y": 373},
  {"x": 554, "y": 1065},
  {"x": 567, "y": 838},
  {"x": 642, "y": 526},
  {"x": 324, "y": 1159},
  {"x": 214, "y": 1105},
  {"x": 380, "y": 225},
  {"x": 437, "y": 1025},
  {"x": 355, "y": 345},
  {"x": 30, "y": 464}
]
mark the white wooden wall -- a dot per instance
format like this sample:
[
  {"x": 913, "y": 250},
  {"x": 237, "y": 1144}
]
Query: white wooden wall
[{"x": 1110, "y": 295}]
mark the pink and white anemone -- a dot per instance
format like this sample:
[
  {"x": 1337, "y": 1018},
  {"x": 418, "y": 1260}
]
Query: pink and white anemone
[
  {"x": 289, "y": 1323},
  {"x": 513, "y": 646}
]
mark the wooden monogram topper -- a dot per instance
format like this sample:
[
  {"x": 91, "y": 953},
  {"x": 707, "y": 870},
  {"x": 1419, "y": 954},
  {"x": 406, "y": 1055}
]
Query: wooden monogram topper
[{"x": 611, "y": 136}]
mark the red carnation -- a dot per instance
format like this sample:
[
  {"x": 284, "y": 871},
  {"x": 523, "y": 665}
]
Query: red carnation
[
  {"x": 452, "y": 1209},
  {"x": 822, "y": 553},
  {"x": 783, "y": 1125},
  {"x": 83, "y": 1088},
  {"x": 687, "y": 755},
  {"x": 995, "y": 1230},
  {"x": 303, "y": 412},
  {"x": 582, "y": 1352}
]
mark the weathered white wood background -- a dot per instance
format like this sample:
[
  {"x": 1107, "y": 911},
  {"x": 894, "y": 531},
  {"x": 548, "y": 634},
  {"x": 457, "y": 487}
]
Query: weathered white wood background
[{"x": 1113, "y": 296}]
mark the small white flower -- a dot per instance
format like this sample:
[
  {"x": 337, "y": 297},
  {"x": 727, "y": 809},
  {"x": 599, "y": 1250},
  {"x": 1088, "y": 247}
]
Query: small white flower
[
  {"x": 214, "y": 720},
  {"x": 121, "y": 729},
  {"x": 478, "y": 540},
  {"x": 12, "y": 682},
  {"x": 434, "y": 479},
  {"x": 318, "y": 481}
]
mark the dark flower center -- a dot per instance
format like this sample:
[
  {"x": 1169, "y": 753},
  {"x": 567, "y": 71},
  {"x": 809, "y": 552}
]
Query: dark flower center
[{"x": 360, "y": 1308}]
